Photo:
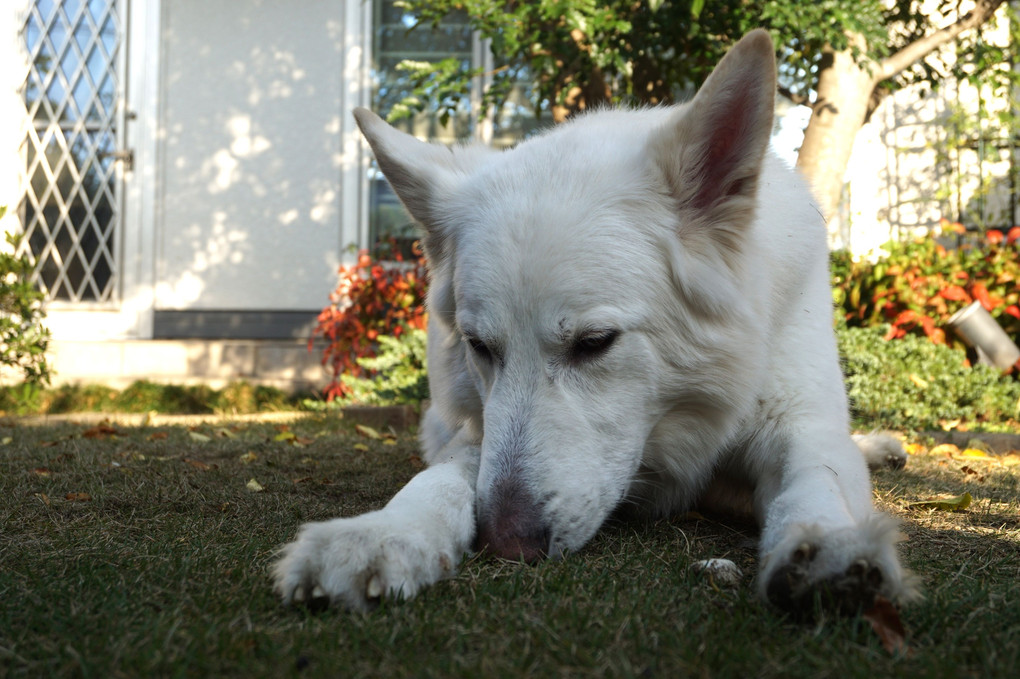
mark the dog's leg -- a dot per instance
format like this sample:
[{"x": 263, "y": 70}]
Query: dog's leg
[
  {"x": 821, "y": 537},
  {"x": 417, "y": 539}
]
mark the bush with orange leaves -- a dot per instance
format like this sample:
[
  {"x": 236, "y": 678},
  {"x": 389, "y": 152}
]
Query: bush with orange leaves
[
  {"x": 921, "y": 283},
  {"x": 373, "y": 298}
]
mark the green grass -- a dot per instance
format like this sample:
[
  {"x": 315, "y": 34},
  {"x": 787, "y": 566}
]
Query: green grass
[{"x": 142, "y": 552}]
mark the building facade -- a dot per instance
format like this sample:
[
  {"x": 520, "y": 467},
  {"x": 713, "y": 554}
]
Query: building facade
[{"x": 189, "y": 176}]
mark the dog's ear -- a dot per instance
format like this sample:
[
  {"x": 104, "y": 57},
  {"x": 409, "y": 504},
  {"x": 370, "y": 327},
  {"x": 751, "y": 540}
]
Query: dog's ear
[
  {"x": 710, "y": 153},
  {"x": 415, "y": 169}
]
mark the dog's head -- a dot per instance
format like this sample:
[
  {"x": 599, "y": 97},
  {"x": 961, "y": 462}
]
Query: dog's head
[{"x": 593, "y": 275}]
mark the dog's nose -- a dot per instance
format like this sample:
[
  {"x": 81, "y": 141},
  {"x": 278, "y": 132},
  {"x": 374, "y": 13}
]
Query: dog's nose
[{"x": 510, "y": 524}]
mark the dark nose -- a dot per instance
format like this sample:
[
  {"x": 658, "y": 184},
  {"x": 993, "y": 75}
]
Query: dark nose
[{"x": 510, "y": 523}]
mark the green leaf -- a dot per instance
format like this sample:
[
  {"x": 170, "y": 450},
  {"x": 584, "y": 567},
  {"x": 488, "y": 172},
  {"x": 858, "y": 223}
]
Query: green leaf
[{"x": 953, "y": 504}]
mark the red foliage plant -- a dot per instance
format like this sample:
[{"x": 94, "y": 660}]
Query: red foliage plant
[
  {"x": 373, "y": 298},
  {"x": 920, "y": 284}
]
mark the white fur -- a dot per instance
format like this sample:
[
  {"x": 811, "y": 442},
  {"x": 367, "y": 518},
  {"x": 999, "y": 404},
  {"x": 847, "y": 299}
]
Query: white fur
[{"x": 675, "y": 232}]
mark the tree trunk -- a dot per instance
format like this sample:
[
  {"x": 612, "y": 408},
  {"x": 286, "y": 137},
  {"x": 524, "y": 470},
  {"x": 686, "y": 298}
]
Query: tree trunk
[
  {"x": 846, "y": 97},
  {"x": 844, "y": 90}
]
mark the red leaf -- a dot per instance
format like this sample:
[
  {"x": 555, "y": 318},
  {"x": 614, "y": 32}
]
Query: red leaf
[
  {"x": 994, "y": 236},
  {"x": 885, "y": 621},
  {"x": 1013, "y": 235},
  {"x": 954, "y": 293},
  {"x": 1013, "y": 310}
]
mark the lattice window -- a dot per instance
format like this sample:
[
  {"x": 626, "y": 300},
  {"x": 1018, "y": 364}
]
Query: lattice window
[{"x": 71, "y": 206}]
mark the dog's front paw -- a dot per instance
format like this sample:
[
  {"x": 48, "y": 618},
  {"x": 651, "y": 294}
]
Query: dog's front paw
[
  {"x": 881, "y": 450},
  {"x": 356, "y": 561},
  {"x": 843, "y": 571}
]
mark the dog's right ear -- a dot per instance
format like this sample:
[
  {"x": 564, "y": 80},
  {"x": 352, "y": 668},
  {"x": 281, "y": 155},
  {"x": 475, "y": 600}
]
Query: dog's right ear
[{"x": 416, "y": 170}]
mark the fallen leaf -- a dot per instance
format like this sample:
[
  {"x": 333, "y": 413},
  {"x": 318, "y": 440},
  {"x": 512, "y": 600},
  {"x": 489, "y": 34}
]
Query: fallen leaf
[
  {"x": 7, "y": 440},
  {"x": 367, "y": 432},
  {"x": 946, "y": 449},
  {"x": 100, "y": 431},
  {"x": 201, "y": 438},
  {"x": 198, "y": 464},
  {"x": 975, "y": 454},
  {"x": 225, "y": 433},
  {"x": 78, "y": 497},
  {"x": 953, "y": 504},
  {"x": 44, "y": 497},
  {"x": 158, "y": 435},
  {"x": 285, "y": 435},
  {"x": 254, "y": 486},
  {"x": 885, "y": 621},
  {"x": 363, "y": 447},
  {"x": 915, "y": 449},
  {"x": 303, "y": 479},
  {"x": 248, "y": 457},
  {"x": 303, "y": 441},
  {"x": 41, "y": 471}
]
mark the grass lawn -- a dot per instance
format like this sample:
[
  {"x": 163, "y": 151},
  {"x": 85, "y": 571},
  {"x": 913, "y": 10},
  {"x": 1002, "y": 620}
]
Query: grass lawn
[{"x": 143, "y": 551}]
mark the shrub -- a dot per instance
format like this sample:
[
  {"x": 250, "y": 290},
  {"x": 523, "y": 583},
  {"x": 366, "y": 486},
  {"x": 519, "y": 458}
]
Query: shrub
[
  {"x": 373, "y": 299},
  {"x": 398, "y": 374},
  {"x": 921, "y": 283},
  {"x": 913, "y": 383},
  {"x": 23, "y": 338}
]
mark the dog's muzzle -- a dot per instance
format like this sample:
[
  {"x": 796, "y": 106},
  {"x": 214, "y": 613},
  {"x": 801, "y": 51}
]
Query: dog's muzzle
[{"x": 511, "y": 524}]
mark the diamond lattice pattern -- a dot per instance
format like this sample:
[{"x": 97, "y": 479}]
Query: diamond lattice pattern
[{"x": 71, "y": 205}]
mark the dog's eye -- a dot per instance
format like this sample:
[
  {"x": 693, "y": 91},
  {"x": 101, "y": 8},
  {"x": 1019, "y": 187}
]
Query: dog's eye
[
  {"x": 480, "y": 349},
  {"x": 593, "y": 344}
]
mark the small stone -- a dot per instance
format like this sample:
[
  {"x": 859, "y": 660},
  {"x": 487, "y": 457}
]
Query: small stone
[{"x": 721, "y": 572}]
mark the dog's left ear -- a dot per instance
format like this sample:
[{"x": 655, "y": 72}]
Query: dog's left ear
[
  {"x": 415, "y": 169},
  {"x": 711, "y": 152}
]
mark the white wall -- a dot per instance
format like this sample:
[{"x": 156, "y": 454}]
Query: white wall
[{"x": 256, "y": 139}]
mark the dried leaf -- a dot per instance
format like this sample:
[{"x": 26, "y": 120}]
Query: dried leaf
[
  {"x": 78, "y": 497},
  {"x": 44, "y": 497},
  {"x": 196, "y": 436},
  {"x": 254, "y": 486},
  {"x": 248, "y": 457},
  {"x": 946, "y": 449},
  {"x": 974, "y": 454},
  {"x": 41, "y": 471},
  {"x": 885, "y": 621},
  {"x": 198, "y": 464},
  {"x": 363, "y": 447},
  {"x": 367, "y": 432},
  {"x": 7, "y": 440},
  {"x": 285, "y": 435},
  {"x": 223, "y": 432},
  {"x": 953, "y": 504},
  {"x": 100, "y": 431},
  {"x": 158, "y": 435}
]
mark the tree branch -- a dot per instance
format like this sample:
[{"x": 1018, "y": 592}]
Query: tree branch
[{"x": 917, "y": 50}]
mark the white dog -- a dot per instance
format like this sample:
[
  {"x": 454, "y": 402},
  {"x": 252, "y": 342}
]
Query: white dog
[{"x": 634, "y": 306}]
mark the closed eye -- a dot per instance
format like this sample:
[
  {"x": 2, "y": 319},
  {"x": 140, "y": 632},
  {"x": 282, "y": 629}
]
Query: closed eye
[
  {"x": 592, "y": 345},
  {"x": 480, "y": 349}
]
